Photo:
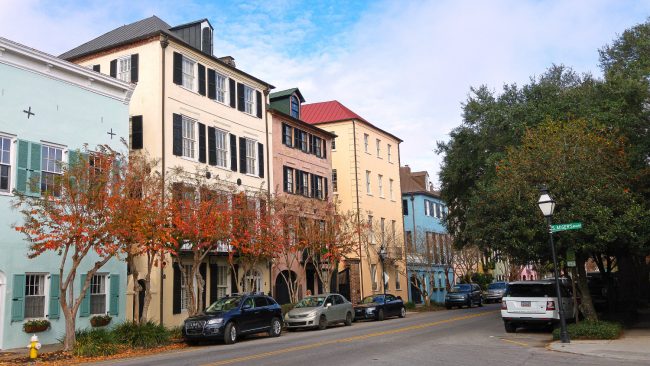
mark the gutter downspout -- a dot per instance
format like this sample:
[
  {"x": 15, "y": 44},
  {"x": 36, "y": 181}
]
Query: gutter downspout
[
  {"x": 164, "y": 42},
  {"x": 356, "y": 180},
  {"x": 268, "y": 178},
  {"x": 412, "y": 240}
]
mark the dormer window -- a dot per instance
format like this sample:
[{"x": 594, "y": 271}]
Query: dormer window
[{"x": 295, "y": 107}]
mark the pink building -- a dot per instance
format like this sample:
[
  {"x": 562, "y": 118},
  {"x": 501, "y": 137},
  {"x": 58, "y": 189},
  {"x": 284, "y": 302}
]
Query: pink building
[{"x": 528, "y": 273}]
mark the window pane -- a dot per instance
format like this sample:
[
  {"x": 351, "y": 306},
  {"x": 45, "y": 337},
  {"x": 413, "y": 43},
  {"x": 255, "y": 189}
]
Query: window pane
[{"x": 34, "y": 296}]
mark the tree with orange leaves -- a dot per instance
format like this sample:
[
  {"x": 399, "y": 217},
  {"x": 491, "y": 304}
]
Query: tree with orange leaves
[{"x": 73, "y": 220}]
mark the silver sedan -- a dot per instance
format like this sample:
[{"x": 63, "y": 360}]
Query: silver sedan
[{"x": 319, "y": 311}]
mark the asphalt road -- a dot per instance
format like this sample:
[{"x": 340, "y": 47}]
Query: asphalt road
[{"x": 455, "y": 337}]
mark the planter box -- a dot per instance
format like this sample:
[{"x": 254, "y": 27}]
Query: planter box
[
  {"x": 35, "y": 328},
  {"x": 100, "y": 321}
]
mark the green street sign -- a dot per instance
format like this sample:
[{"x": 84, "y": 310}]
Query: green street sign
[{"x": 563, "y": 227}]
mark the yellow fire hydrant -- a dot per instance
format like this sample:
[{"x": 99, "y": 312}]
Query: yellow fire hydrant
[{"x": 33, "y": 347}]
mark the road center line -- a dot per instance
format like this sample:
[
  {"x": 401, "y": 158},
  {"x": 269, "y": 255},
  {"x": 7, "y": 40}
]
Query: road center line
[
  {"x": 515, "y": 342},
  {"x": 344, "y": 340}
]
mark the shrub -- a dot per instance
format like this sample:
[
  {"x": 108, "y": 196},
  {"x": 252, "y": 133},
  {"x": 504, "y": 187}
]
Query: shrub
[
  {"x": 591, "y": 330},
  {"x": 144, "y": 335},
  {"x": 176, "y": 332},
  {"x": 94, "y": 343},
  {"x": 409, "y": 305},
  {"x": 287, "y": 308}
]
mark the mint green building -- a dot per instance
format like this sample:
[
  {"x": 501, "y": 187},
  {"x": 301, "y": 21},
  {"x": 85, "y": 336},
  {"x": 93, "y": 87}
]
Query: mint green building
[{"x": 49, "y": 107}]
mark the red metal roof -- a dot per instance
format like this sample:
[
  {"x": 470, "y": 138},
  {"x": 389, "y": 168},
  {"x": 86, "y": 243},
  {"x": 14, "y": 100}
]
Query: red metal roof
[{"x": 331, "y": 111}]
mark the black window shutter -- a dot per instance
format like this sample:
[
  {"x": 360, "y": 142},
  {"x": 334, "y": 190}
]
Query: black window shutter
[
  {"x": 114, "y": 68},
  {"x": 176, "y": 294},
  {"x": 177, "y": 148},
  {"x": 212, "y": 83},
  {"x": 296, "y": 138},
  {"x": 233, "y": 152},
  {"x": 324, "y": 149},
  {"x": 258, "y": 97},
  {"x": 240, "y": 97},
  {"x": 326, "y": 188},
  {"x": 232, "y": 92},
  {"x": 310, "y": 147},
  {"x": 260, "y": 158},
  {"x": 201, "y": 143},
  {"x": 97, "y": 68},
  {"x": 178, "y": 68},
  {"x": 213, "y": 282},
  {"x": 212, "y": 146},
  {"x": 203, "y": 270},
  {"x": 242, "y": 155},
  {"x": 297, "y": 181},
  {"x": 312, "y": 182},
  {"x": 201, "y": 70},
  {"x": 136, "y": 132},
  {"x": 285, "y": 185},
  {"x": 134, "y": 67}
]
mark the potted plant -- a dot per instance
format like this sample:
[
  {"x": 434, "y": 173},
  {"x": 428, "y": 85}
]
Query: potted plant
[
  {"x": 100, "y": 320},
  {"x": 36, "y": 325}
]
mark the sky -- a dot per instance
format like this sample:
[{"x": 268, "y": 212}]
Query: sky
[{"x": 405, "y": 66}]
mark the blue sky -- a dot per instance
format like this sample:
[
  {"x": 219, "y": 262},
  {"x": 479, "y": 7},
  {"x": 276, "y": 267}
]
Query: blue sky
[{"x": 406, "y": 66}]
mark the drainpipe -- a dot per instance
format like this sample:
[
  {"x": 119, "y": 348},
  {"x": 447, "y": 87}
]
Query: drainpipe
[
  {"x": 164, "y": 42},
  {"x": 413, "y": 238},
  {"x": 268, "y": 176},
  {"x": 356, "y": 183}
]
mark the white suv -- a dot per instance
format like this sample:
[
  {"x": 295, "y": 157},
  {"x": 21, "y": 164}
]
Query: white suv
[{"x": 534, "y": 302}]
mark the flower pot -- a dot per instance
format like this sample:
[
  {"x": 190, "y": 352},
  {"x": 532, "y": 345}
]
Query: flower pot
[
  {"x": 35, "y": 328},
  {"x": 100, "y": 321}
]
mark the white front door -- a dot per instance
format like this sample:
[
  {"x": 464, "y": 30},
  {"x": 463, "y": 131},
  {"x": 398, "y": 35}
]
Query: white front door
[{"x": 3, "y": 290}]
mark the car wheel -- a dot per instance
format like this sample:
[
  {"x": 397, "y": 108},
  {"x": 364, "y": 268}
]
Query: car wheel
[
  {"x": 448, "y": 307},
  {"x": 348, "y": 319},
  {"x": 402, "y": 312},
  {"x": 510, "y": 327},
  {"x": 380, "y": 315},
  {"x": 230, "y": 333},
  {"x": 480, "y": 302},
  {"x": 469, "y": 303},
  {"x": 322, "y": 322},
  {"x": 276, "y": 328}
]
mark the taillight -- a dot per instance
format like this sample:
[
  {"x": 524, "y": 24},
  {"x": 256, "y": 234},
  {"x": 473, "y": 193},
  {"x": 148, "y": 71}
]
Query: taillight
[
  {"x": 550, "y": 305},
  {"x": 503, "y": 305}
]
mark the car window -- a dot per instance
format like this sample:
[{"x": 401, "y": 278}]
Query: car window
[
  {"x": 339, "y": 300},
  {"x": 249, "y": 301},
  {"x": 224, "y": 304},
  {"x": 390, "y": 298},
  {"x": 497, "y": 286},
  {"x": 329, "y": 300},
  {"x": 461, "y": 288},
  {"x": 260, "y": 302},
  {"x": 271, "y": 301},
  {"x": 535, "y": 290},
  {"x": 311, "y": 302}
]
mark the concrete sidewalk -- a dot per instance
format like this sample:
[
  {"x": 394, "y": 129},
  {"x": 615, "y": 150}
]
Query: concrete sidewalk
[{"x": 634, "y": 345}]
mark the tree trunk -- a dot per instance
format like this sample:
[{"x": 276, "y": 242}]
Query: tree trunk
[
  {"x": 147, "y": 298},
  {"x": 587, "y": 305},
  {"x": 136, "y": 295},
  {"x": 70, "y": 336}
]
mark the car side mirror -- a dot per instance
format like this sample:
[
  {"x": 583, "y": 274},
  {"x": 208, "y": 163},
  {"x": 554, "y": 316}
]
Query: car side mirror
[
  {"x": 246, "y": 307},
  {"x": 328, "y": 304},
  {"x": 399, "y": 298}
]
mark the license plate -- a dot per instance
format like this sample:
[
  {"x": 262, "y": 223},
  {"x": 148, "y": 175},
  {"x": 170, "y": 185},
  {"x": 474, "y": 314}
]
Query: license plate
[
  {"x": 194, "y": 325},
  {"x": 525, "y": 304}
]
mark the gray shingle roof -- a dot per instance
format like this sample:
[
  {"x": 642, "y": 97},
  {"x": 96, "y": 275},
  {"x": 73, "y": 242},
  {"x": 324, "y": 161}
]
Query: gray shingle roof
[{"x": 119, "y": 35}]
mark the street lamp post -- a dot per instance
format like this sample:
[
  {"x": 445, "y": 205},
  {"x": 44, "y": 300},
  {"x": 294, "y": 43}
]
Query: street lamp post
[{"x": 547, "y": 205}]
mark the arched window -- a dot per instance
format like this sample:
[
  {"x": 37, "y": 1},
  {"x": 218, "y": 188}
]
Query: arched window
[{"x": 295, "y": 107}]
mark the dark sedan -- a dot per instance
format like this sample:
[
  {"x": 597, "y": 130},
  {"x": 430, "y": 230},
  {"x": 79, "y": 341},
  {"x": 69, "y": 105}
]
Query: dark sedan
[
  {"x": 230, "y": 317},
  {"x": 464, "y": 294},
  {"x": 379, "y": 307}
]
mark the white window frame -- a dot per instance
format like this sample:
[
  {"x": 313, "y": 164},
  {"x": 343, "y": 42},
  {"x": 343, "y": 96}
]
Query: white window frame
[
  {"x": 46, "y": 294},
  {"x": 222, "y": 88},
  {"x": 124, "y": 68},
  {"x": 368, "y": 188},
  {"x": 250, "y": 103},
  {"x": 366, "y": 137},
  {"x": 289, "y": 172},
  {"x": 91, "y": 289},
  {"x": 188, "y": 72},
  {"x": 380, "y": 185},
  {"x": 373, "y": 277},
  {"x": 255, "y": 278},
  {"x": 251, "y": 156},
  {"x": 222, "y": 281},
  {"x": 51, "y": 167},
  {"x": 221, "y": 147},
  {"x": 378, "y": 141},
  {"x": 294, "y": 98},
  {"x": 382, "y": 225},
  {"x": 390, "y": 189},
  {"x": 333, "y": 144},
  {"x": 427, "y": 208},
  {"x": 398, "y": 284},
  {"x": 7, "y": 160},
  {"x": 390, "y": 156},
  {"x": 189, "y": 138},
  {"x": 317, "y": 149},
  {"x": 185, "y": 298},
  {"x": 319, "y": 187},
  {"x": 304, "y": 181}
]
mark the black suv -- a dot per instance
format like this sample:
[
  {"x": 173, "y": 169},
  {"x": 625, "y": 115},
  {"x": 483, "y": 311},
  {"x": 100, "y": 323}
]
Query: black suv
[
  {"x": 235, "y": 315},
  {"x": 464, "y": 294}
]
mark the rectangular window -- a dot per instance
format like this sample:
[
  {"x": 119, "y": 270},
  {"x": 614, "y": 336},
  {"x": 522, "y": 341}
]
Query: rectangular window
[
  {"x": 249, "y": 100},
  {"x": 390, "y": 189},
  {"x": 390, "y": 157},
  {"x": 221, "y": 86},
  {"x": 222, "y": 281},
  {"x": 335, "y": 181},
  {"x": 5, "y": 164},
  {"x": 373, "y": 276},
  {"x": 51, "y": 160},
  {"x": 405, "y": 207},
  {"x": 188, "y": 73},
  {"x": 380, "y": 185},
  {"x": 34, "y": 296},
  {"x": 368, "y": 182},
  {"x": 382, "y": 225},
  {"x": 251, "y": 156},
  {"x": 426, "y": 208},
  {"x": 288, "y": 178},
  {"x": 185, "y": 294},
  {"x": 304, "y": 143},
  {"x": 124, "y": 68},
  {"x": 378, "y": 148},
  {"x": 317, "y": 148},
  {"x": 98, "y": 294},
  {"x": 286, "y": 135},
  {"x": 333, "y": 141},
  {"x": 189, "y": 137},
  {"x": 365, "y": 142},
  {"x": 438, "y": 213},
  {"x": 221, "y": 138},
  {"x": 398, "y": 284},
  {"x": 304, "y": 181},
  {"x": 319, "y": 187}
]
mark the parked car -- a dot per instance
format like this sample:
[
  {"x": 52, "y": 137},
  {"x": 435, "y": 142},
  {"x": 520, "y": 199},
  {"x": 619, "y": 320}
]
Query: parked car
[
  {"x": 380, "y": 307},
  {"x": 534, "y": 302},
  {"x": 230, "y": 317},
  {"x": 464, "y": 294},
  {"x": 495, "y": 292},
  {"x": 319, "y": 311}
]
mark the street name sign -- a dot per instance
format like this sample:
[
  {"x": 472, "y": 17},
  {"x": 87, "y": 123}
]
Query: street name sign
[{"x": 563, "y": 227}]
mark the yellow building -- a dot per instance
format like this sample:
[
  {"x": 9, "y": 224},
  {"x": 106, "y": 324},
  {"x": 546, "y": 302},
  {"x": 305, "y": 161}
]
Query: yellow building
[
  {"x": 193, "y": 110},
  {"x": 365, "y": 179}
]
